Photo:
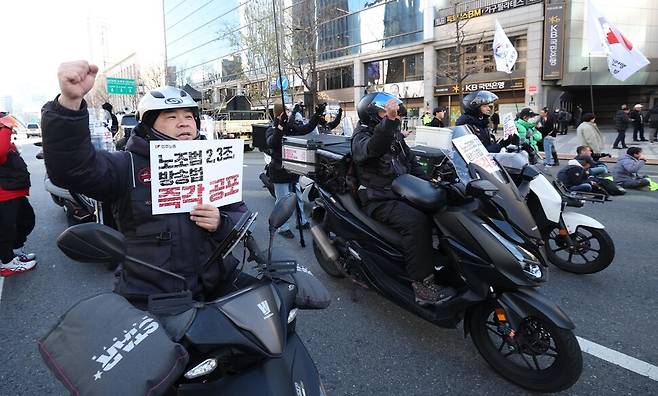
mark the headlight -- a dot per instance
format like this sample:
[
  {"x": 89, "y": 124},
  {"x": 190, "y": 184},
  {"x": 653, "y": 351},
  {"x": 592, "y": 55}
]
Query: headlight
[
  {"x": 292, "y": 315},
  {"x": 205, "y": 367},
  {"x": 528, "y": 261}
]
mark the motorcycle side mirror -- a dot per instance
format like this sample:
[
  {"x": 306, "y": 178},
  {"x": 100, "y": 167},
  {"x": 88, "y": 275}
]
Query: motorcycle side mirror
[
  {"x": 282, "y": 211},
  {"x": 93, "y": 243},
  {"x": 481, "y": 189}
]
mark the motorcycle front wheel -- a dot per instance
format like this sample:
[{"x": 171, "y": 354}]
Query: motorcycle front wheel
[
  {"x": 538, "y": 356},
  {"x": 592, "y": 250}
]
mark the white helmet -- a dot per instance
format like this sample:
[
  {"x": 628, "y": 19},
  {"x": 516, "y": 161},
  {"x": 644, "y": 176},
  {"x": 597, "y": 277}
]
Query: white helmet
[{"x": 165, "y": 98}]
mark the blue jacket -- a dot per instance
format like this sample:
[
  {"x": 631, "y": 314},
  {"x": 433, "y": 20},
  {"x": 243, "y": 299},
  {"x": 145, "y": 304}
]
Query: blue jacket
[{"x": 626, "y": 168}]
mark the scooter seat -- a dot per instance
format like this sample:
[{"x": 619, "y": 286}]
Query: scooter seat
[{"x": 388, "y": 234}]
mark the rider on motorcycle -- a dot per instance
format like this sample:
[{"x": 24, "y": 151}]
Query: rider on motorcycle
[
  {"x": 381, "y": 155},
  {"x": 181, "y": 243},
  {"x": 478, "y": 107}
]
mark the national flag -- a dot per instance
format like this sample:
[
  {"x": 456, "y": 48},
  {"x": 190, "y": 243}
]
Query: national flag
[
  {"x": 605, "y": 39},
  {"x": 504, "y": 52}
]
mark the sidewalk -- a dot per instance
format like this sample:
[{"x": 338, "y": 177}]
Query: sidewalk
[{"x": 566, "y": 145}]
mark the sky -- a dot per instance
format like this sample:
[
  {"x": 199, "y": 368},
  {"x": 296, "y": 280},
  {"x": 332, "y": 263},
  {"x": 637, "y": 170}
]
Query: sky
[{"x": 38, "y": 35}]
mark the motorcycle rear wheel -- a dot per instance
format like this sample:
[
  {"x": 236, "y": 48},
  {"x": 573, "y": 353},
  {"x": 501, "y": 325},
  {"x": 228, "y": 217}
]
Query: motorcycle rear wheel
[
  {"x": 593, "y": 251},
  {"x": 328, "y": 267},
  {"x": 523, "y": 358}
]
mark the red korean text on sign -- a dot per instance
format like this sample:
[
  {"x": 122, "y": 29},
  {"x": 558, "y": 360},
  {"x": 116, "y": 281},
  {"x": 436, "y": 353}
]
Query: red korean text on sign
[
  {"x": 224, "y": 187},
  {"x": 169, "y": 196},
  {"x": 193, "y": 194}
]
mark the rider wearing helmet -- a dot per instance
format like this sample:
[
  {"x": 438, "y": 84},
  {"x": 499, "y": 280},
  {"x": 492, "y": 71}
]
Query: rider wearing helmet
[
  {"x": 180, "y": 242},
  {"x": 381, "y": 155},
  {"x": 478, "y": 107}
]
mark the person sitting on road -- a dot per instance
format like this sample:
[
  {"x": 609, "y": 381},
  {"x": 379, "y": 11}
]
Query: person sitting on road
[
  {"x": 439, "y": 115},
  {"x": 478, "y": 107},
  {"x": 599, "y": 168},
  {"x": 575, "y": 175},
  {"x": 180, "y": 242},
  {"x": 625, "y": 171},
  {"x": 285, "y": 182},
  {"x": 16, "y": 213},
  {"x": 381, "y": 154}
]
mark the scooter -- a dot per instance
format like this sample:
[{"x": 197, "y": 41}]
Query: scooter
[
  {"x": 489, "y": 249},
  {"x": 243, "y": 343},
  {"x": 574, "y": 242}
]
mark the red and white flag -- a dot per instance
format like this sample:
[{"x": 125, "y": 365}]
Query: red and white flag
[{"x": 605, "y": 39}]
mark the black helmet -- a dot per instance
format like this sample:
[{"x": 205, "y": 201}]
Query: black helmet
[
  {"x": 474, "y": 100},
  {"x": 373, "y": 103}
]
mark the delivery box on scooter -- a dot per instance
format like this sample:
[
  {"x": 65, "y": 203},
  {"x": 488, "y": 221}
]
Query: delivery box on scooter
[{"x": 299, "y": 152}]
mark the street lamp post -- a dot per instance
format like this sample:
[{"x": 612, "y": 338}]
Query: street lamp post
[{"x": 591, "y": 88}]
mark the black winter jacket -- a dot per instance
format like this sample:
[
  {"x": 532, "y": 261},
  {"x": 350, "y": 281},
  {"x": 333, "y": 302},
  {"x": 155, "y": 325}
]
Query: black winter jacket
[
  {"x": 481, "y": 126},
  {"x": 621, "y": 120},
  {"x": 636, "y": 118},
  {"x": 122, "y": 179},
  {"x": 381, "y": 155},
  {"x": 274, "y": 138},
  {"x": 573, "y": 175}
]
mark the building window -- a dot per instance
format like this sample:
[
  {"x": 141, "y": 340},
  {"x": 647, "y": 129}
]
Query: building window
[
  {"x": 394, "y": 70},
  {"x": 478, "y": 58},
  {"x": 338, "y": 78}
]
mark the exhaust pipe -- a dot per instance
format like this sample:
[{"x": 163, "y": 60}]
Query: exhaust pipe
[{"x": 324, "y": 243}]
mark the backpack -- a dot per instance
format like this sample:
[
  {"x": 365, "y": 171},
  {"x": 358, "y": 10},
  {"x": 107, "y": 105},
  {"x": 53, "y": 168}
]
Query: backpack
[{"x": 13, "y": 173}]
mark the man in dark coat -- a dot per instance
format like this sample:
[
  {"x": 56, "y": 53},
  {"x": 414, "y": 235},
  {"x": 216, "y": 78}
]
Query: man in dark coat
[
  {"x": 621, "y": 125},
  {"x": 284, "y": 181},
  {"x": 381, "y": 155},
  {"x": 181, "y": 243},
  {"x": 637, "y": 118},
  {"x": 439, "y": 115}
]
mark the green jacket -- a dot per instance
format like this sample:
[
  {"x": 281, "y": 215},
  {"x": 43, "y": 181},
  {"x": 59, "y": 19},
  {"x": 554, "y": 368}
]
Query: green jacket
[{"x": 528, "y": 133}]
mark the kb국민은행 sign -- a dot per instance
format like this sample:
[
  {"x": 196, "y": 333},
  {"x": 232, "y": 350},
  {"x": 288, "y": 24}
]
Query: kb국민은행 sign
[{"x": 189, "y": 173}]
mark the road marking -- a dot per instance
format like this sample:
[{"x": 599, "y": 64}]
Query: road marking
[
  {"x": 619, "y": 359},
  {"x": 2, "y": 280}
]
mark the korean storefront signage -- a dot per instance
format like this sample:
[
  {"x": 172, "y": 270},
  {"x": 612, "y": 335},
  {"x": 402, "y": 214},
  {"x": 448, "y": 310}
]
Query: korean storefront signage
[
  {"x": 498, "y": 85},
  {"x": 478, "y": 11},
  {"x": 553, "y": 53}
]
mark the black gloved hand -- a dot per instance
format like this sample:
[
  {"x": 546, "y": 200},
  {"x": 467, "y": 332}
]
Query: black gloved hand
[
  {"x": 297, "y": 108},
  {"x": 340, "y": 110},
  {"x": 319, "y": 109}
]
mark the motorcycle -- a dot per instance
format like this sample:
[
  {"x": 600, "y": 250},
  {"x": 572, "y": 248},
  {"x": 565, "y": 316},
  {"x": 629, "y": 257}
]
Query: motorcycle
[
  {"x": 489, "y": 249},
  {"x": 574, "y": 242},
  {"x": 243, "y": 343}
]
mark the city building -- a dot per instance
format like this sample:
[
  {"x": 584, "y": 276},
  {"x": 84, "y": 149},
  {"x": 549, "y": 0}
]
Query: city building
[{"x": 409, "y": 48}]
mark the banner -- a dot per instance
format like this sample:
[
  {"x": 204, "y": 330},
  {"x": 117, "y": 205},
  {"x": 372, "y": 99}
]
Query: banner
[
  {"x": 553, "y": 53},
  {"x": 604, "y": 38},
  {"x": 472, "y": 150},
  {"x": 189, "y": 173},
  {"x": 504, "y": 52}
]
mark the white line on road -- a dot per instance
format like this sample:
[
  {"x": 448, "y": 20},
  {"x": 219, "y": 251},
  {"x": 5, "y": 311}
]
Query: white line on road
[
  {"x": 618, "y": 358},
  {"x": 2, "y": 280}
]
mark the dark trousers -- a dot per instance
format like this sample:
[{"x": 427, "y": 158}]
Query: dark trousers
[
  {"x": 564, "y": 127},
  {"x": 416, "y": 230},
  {"x": 640, "y": 130},
  {"x": 635, "y": 183},
  {"x": 621, "y": 138},
  {"x": 16, "y": 223}
]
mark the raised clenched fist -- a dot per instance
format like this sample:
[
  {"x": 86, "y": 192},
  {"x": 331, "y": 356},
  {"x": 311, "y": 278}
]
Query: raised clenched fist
[{"x": 75, "y": 80}]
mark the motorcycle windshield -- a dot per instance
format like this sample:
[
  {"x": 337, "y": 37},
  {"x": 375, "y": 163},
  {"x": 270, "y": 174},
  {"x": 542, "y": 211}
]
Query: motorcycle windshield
[{"x": 472, "y": 161}]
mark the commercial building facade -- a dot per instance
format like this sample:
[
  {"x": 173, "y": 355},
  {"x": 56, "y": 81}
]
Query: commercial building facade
[{"x": 408, "y": 48}]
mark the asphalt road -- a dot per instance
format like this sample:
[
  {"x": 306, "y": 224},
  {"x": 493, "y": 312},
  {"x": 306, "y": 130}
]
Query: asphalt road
[{"x": 363, "y": 344}]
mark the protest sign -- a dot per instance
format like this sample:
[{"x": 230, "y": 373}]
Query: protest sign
[
  {"x": 472, "y": 150},
  {"x": 189, "y": 173},
  {"x": 509, "y": 127}
]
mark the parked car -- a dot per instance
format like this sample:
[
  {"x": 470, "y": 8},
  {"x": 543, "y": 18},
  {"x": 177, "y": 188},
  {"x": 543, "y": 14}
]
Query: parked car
[
  {"x": 126, "y": 125},
  {"x": 33, "y": 130}
]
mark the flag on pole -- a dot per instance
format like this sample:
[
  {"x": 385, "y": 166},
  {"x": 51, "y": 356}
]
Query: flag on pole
[
  {"x": 604, "y": 38},
  {"x": 504, "y": 52}
]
